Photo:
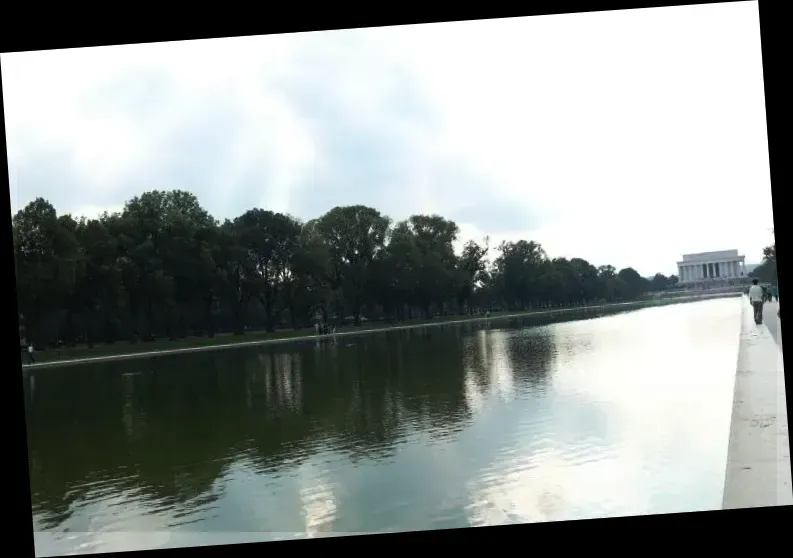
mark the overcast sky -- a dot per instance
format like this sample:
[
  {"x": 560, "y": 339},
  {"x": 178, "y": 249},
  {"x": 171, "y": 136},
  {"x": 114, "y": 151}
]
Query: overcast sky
[{"x": 626, "y": 137}]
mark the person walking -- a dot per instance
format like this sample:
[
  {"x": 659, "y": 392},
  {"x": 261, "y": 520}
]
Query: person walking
[{"x": 757, "y": 298}]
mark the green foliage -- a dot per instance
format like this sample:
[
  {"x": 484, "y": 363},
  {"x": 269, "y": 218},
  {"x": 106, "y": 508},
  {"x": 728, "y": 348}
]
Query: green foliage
[
  {"x": 769, "y": 253},
  {"x": 164, "y": 267},
  {"x": 766, "y": 271}
]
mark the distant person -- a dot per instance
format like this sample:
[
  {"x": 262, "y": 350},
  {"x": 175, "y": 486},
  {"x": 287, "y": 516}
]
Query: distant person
[
  {"x": 757, "y": 298},
  {"x": 775, "y": 292},
  {"x": 316, "y": 327},
  {"x": 31, "y": 354}
]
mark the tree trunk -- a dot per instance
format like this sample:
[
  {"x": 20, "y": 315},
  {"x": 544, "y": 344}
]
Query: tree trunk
[
  {"x": 239, "y": 315},
  {"x": 268, "y": 301},
  {"x": 208, "y": 321}
]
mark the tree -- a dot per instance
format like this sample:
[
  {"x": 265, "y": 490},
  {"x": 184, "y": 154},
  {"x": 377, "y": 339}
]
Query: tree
[
  {"x": 590, "y": 281},
  {"x": 516, "y": 271},
  {"x": 633, "y": 284},
  {"x": 238, "y": 270},
  {"x": 471, "y": 267},
  {"x": 769, "y": 253},
  {"x": 659, "y": 282},
  {"x": 354, "y": 236},
  {"x": 765, "y": 272},
  {"x": 47, "y": 260},
  {"x": 270, "y": 240},
  {"x": 164, "y": 267},
  {"x": 432, "y": 259}
]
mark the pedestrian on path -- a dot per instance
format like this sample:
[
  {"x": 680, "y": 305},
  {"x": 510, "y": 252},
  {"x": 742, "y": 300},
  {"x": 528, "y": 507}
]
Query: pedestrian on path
[{"x": 757, "y": 298}]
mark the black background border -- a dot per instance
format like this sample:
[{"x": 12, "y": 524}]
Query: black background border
[{"x": 68, "y": 26}]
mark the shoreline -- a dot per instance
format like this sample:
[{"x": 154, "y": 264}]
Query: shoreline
[{"x": 637, "y": 305}]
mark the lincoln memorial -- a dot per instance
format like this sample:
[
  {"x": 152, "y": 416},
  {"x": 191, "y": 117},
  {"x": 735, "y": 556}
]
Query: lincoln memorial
[{"x": 711, "y": 266}]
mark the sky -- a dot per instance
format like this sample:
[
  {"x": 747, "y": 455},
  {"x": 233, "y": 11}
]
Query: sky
[{"x": 627, "y": 138}]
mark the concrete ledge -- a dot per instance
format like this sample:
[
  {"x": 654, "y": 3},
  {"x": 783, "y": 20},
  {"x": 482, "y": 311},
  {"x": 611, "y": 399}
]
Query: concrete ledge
[{"x": 758, "y": 457}]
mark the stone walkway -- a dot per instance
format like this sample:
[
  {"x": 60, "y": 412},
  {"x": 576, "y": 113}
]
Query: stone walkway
[
  {"x": 758, "y": 457},
  {"x": 772, "y": 321}
]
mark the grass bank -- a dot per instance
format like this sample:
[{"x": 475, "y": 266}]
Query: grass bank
[{"x": 123, "y": 351}]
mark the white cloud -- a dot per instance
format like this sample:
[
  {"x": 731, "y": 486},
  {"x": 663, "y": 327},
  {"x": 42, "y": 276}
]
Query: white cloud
[{"x": 621, "y": 137}]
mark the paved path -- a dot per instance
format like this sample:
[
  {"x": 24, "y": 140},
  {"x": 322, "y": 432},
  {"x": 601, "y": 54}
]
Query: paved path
[
  {"x": 772, "y": 321},
  {"x": 758, "y": 459}
]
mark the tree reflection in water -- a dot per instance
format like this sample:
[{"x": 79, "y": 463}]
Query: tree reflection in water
[{"x": 161, "y": 432}]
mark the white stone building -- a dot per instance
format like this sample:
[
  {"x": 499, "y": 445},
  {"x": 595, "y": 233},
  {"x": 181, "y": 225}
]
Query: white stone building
[{"x": 726, "y": 265}]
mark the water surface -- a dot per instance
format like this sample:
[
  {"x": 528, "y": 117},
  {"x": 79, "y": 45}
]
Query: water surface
[{"x": 455, "y": 426}]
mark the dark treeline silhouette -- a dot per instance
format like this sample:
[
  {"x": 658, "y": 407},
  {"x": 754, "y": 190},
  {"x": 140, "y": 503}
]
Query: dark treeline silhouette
[
  {"x": 164, "y": 267},
  {"x": 766, "y": 271}
]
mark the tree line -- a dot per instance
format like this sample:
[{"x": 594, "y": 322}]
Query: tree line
[
  {"x": 163, "y": 267},
  {"x": 766, "y": 271}
]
